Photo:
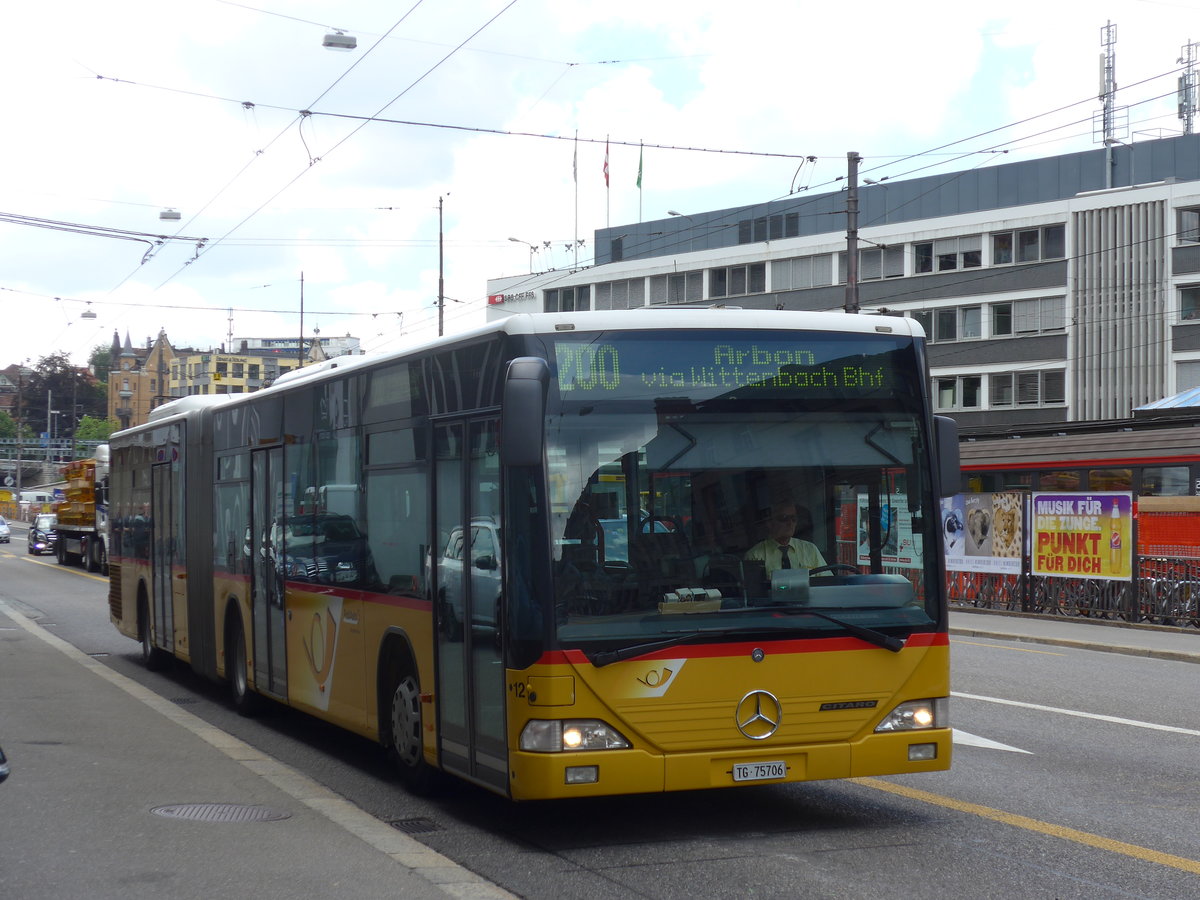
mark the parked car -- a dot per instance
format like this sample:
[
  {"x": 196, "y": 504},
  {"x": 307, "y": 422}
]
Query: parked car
[
  {"x": 42, "y": 537},
  {"x": 5, "y": 531},
  {"x": 3, "y": 766}
]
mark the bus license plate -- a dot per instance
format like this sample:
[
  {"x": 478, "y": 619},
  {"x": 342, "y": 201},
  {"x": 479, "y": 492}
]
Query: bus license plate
[{"x": 759, "y": 771}]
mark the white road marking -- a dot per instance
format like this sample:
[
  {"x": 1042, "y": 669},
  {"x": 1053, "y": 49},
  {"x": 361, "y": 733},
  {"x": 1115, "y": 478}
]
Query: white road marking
[
  {"x": 1116, "y": 720},
  {"x": 966, "y": 739}
]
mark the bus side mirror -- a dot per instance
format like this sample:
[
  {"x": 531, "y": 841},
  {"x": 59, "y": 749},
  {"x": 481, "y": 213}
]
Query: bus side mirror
[
  {"x": 949, "y": 469},
  {"x": 523, "y": 417}
]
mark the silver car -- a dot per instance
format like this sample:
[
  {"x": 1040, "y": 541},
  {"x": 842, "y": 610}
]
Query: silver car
[{"x": 5, "y": 531}]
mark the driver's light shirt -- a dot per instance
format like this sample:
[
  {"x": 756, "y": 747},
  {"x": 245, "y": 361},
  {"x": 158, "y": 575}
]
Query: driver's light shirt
[{"x": 801, "y": 554}]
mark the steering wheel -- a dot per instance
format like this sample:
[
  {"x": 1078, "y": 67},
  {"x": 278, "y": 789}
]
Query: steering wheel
[{"x": 835, "y": 567}]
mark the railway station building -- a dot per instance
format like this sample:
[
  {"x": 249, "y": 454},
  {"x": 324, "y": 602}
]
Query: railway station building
[{"x": 1055, "y": 290}]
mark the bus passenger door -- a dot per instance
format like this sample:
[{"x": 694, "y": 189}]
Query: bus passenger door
[
  {"x": 163, "y": 540},
  {"x": 267, "y": 572},
  {"x": 467, "y": 569}
]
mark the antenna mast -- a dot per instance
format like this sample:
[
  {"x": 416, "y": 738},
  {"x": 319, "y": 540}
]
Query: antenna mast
[
  {"x": 1187, "y": 86},
  {"x": 1104, "y": 127}
]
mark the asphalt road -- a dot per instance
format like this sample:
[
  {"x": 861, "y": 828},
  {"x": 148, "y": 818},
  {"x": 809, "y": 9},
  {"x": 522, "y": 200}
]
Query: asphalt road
[{"x": 1075, "y": 775}]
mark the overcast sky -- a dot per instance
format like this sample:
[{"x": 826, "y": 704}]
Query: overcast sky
[{"x": 119, "y": 110}]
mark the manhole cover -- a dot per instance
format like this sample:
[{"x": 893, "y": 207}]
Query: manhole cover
[
  {"x": 220, "y": 812},
  {"x": 415, "y": 826}
]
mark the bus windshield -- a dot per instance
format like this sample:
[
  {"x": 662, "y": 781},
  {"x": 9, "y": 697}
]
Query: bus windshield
[{"x": 701, "y": 485}]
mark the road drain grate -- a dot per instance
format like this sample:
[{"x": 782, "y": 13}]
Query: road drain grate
[
  {"x": 220, "y": 812},
  {"x": 184, "y": 701},
  {"x": 415, "y": 826}
]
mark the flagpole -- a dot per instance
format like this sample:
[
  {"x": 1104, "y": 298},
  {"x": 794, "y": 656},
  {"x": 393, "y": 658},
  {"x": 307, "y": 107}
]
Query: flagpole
[
  {"x": 607, "y": 192},
  {"x": 575, "y": 237},
  {"x": 641, "y": 150}
]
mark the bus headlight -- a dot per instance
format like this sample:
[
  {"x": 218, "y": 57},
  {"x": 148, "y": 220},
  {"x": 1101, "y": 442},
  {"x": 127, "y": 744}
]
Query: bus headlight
[
  {"x": 915, "y": 715},
  {"x": 555, "y": 736}
]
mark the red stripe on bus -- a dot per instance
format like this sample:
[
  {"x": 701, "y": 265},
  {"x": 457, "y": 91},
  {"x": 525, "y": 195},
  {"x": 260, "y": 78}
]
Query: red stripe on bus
[{"x": 741, "y": 648}]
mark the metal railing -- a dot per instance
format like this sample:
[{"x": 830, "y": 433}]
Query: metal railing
[{"x": 1166, "y": 592}]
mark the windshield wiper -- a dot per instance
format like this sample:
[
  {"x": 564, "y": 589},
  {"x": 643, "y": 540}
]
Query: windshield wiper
[
  {"x": 870, "y": 635},
  {"x": 604, "y": 657}
]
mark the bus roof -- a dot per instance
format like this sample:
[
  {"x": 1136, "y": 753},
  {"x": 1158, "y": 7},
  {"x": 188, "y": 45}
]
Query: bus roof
[{"x": 672, "y": 318}]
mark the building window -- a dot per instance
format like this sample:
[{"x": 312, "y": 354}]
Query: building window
[
  {"x": 875, "y": 263},
  {"x": 737, "y": 280},
  {"x": 678, "y": 287},
  {"x": 1189, "y": 302},
  {"x": 572, "y": 299},
  {"x": 1188, "y": 231},
  {"x": 948, "y": 254},
  {"x": 1029, "y": 316},
  {"x": 951, "y": 323},
  {"x": 925, "y": 317},
  {"x": 253, "y": 370},
  {"x": 959, "y": 392},
  {"x": 1039, "y": 388},
  {"x": 237, "y": 369},
  {"x": 801, "y": 272},
  {"x": 627, "y": 294},
  {"x": 945, "y": 324},
  {"x": 1028, "y": 245}
]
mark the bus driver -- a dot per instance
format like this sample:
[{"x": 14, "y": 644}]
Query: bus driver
[{"x": 781, "y": 550}]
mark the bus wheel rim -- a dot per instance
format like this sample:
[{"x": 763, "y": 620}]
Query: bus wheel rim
[{"x": 406, "y": 721}]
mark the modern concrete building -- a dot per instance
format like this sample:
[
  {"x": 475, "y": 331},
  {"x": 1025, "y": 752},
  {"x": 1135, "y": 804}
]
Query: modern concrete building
[{"x": 1053, "y": 290}]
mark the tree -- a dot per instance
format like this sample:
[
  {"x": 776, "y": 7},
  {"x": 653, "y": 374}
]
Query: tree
[
  {"x": 101, "y": 362},
  {"x": 93, "y": 429},
  {"x": 71, "y": 391}
]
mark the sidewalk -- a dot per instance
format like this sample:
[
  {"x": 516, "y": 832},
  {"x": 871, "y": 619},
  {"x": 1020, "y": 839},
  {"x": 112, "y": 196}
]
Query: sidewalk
[
  {"x": 96, "y": 758},
  {"x": 1084, "y": 634}
]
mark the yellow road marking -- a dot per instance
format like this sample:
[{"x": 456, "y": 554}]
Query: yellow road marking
[
  {"x": 71, "y": 569},
  {"x": 1003, "y": 647},
  {"x": 1059, "y": 831}
]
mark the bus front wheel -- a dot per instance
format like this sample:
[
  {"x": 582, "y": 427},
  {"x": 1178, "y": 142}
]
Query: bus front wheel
[{"x": 403, "y": 739}]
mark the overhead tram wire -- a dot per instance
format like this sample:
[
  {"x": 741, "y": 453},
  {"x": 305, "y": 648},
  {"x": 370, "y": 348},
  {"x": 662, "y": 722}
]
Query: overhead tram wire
[
  {"x": 247, "y": 104},
  {"x": 355, "y": 131}
]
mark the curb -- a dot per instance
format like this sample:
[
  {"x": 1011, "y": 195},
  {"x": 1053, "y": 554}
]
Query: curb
[{"x": 1152, "y": 653}]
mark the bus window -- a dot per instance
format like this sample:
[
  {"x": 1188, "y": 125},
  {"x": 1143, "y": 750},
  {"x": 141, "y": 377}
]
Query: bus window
[
  {"x": 1165, "y": 481},
  {"x": 1060, "y": 480},
  {"x": 1110, "y": 479}
]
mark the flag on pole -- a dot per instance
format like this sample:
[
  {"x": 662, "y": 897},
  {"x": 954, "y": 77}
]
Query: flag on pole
[
  {"x": 606, "y": 162},
  {"x": 641, "y": 150}
]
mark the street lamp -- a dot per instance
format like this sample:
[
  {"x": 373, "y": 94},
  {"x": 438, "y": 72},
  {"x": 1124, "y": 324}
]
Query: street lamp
[
  {"x": 339, "y": 40},
  {"x": 532, "y": 248},
  {"x": 691, "y": 224}
]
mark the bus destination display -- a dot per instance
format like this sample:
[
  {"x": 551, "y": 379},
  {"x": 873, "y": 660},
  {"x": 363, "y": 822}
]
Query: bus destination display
[{"x": 795, "y": 368}]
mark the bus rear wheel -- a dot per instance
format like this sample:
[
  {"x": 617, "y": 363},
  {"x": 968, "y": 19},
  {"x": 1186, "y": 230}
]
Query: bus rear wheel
[
  {"x": 404, "y": 735},
  {"x": 153, "y": 658},
  {"x": 245, "y": 701}
]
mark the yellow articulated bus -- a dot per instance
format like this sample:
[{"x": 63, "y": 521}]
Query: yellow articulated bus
[{"x": 567, "y": 554}]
